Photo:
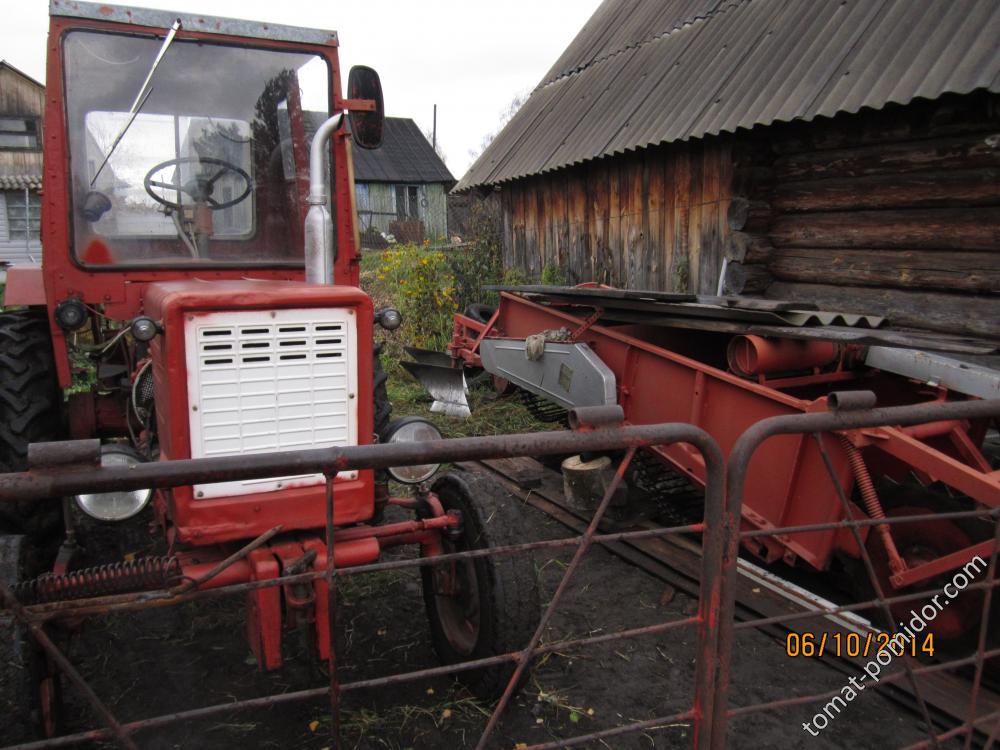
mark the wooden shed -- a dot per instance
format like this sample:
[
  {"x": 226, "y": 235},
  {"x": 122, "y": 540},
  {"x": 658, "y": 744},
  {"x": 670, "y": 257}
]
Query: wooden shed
[
  {"x": 22, "y": 100},
  {"x": 402, "y": 186},
  {"x": 842, "y": 153}
]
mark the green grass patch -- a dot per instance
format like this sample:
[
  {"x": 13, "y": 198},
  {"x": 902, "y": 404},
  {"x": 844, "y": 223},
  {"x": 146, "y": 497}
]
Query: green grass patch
[{"x": 491, "y": 414}]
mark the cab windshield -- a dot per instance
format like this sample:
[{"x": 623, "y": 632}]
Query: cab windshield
[{"x": 206, "y": 169}]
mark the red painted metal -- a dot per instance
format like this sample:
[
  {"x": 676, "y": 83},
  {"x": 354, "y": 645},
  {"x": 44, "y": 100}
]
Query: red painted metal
[
  {"x": 214, "y": 520},
  {"x": 122, "y": 292},
  {"x": 756, "y": 355},
  {"x": 787, "y": 484},
  {"x": 24, "y": 286}
]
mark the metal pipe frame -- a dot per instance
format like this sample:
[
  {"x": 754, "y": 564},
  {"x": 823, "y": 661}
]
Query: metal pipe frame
[
  {"x": 598, "y": 433},
  {"x": 721, "y": 531},
  {"x": 854, "y": 414}
]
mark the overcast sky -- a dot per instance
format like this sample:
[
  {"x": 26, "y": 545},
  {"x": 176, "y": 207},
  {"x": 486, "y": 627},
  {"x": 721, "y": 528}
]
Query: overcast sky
[{"x": 470, "y": 57}]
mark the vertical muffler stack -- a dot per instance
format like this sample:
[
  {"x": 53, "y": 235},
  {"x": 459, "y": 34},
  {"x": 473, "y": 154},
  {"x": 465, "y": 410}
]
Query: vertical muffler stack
[{"x": 319, "y": 238}]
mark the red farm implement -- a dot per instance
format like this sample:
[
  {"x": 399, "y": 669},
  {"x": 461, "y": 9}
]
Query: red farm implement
[{"x": 726, "y": 364}]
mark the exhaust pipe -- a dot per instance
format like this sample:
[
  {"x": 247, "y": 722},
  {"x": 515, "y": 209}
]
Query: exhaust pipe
[{"x": 318, "y": 234}]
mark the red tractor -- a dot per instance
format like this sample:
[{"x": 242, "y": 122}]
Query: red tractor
[{"x": 198, "y": 297}]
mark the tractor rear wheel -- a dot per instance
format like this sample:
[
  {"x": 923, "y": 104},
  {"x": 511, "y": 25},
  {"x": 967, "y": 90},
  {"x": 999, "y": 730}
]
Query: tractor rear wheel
[
  {"x": 483, "y": 606},
  {"x": 30, "y": 401},
  {"x": 20, "y": 672}
]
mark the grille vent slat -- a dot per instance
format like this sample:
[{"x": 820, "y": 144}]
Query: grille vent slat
[{"x": 268, "y": 384}]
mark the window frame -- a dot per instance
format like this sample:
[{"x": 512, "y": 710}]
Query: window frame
[
  {"x": 32, "y": 218},
  {"x": 31, "y": 123}
]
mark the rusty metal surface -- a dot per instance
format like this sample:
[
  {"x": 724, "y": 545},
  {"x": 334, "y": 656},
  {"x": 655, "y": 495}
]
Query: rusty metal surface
[
  {"x": 645, "y": 72},
  {"x": 601, "y": 435},
  {"x": 40, "y": 484},
  {"x": 714, "y": 621},
  {"x": 737, "y": 466}
]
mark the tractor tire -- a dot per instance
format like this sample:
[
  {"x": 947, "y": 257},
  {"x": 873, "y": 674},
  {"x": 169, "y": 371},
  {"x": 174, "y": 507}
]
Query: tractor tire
[
  {"x": 479, "y": 312},
  {"x": 30, "y": 411},
  {"x": 497, "y": 606},
  {"x": 21, "y": 662},
  {"x": 382, "y": 408}
]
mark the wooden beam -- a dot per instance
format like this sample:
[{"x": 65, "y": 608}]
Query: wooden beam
[
  {"x": 926, "y": 228},
  {"x": 962, "y": 187},
  {"x": 969, "y": 151},
  {"x": 905, "y": 269}
]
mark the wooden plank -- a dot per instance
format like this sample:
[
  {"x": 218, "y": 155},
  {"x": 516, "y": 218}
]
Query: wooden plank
[
  {"x": 970, "y": 151},
  {"x": 926, "y": 228},
  {"x": 970, "y": 113},
  {"x": 977, "y": 315},
  {"x": 958, "y": 188},
  {"x": 647, "y": 263},
  {"x": 613, "y": 245},
  {"x": 634, "y": 262},
  {"x": 694, "y": 219},
  {"x": 906, "y": 269}
]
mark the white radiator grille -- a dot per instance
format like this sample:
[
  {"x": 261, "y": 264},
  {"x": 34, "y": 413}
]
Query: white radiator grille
[{"x": 262, "y": 381}]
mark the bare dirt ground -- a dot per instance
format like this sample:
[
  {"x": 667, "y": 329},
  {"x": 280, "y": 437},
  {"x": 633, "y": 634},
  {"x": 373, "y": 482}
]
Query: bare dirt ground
[{"x": 164, "y": 660}]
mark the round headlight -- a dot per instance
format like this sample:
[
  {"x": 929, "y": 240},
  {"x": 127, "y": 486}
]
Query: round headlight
[
  {"x": 115, "y": 506},
  {"x": 144, "y": 329},
  {"x": 71, "y": 314},
  {"x": 412, "y": 430},
  {"x": 389, "y": 318}
]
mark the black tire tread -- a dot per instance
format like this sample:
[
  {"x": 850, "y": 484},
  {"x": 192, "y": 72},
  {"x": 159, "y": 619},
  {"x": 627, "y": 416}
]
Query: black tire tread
[
  {"x": 30, "y": 407},
  {"x": 495, "y": 519}
]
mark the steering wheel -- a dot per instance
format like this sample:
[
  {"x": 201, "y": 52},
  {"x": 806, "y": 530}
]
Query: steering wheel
[{"x": 200, "y": 187}]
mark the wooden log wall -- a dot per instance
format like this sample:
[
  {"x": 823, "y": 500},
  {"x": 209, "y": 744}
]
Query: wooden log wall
[
  {"x": 652, "y": 219},
  {"x": 894, "y": 213}
]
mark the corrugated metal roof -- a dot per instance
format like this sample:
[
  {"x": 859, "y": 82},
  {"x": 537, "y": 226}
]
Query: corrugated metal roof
[
  {"x": 20, "y": 182},
  {"x": 404, "y": 156},
  {"x": 644, "y": 72}
]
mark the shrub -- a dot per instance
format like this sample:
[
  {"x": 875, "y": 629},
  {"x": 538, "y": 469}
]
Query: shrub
[{"x": 418, "y": 282}]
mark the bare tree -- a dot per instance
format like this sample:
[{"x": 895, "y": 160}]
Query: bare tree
[
  {"x": 429, "y": 135},
  {"x": 506, "y": 115}
]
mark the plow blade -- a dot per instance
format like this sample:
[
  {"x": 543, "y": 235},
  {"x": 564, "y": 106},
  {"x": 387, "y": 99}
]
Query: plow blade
[
  {"x": 445, "y": 383},
  {"x": 429, "y": 357}
]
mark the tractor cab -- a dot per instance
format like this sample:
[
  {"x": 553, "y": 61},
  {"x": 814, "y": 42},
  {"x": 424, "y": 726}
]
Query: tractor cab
[
  {"x": 198, "y": 299},
  {"x": 198, "y": 287}
]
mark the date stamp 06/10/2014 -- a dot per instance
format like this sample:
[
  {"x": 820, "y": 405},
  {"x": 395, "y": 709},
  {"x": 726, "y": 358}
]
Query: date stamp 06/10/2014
[{"x": 818, "y": 645}]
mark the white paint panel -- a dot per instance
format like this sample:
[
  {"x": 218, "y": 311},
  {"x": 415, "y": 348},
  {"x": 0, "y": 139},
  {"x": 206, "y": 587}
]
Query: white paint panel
[{"x": 270, "y": 380}]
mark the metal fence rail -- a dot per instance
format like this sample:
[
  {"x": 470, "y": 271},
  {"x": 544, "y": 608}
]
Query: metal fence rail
[
  {"x": 594, "y": 432},
  {"x": 854, "y": 414},
  {"x": 721, "y": 533}
]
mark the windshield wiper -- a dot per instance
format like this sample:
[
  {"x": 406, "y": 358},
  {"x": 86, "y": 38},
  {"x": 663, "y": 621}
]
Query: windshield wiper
[{"x": 140, "y": 97}]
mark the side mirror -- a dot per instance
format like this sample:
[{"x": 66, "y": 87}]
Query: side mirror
[{"x": 366, "y": 126}]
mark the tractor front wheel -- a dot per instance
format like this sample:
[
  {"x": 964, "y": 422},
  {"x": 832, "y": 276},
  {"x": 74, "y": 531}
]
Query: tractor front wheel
[
  {"x": 30, "y": 401},
  {"x": 483, "y": 606}
]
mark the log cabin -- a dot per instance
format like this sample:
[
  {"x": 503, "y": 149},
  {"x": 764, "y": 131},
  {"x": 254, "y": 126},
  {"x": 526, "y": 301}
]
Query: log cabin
[
  {"x": 843, "y": 153},
  {"x": 22, "y": 100}
]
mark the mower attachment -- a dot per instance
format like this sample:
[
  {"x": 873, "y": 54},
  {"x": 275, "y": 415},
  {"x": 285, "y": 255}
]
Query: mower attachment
[{"x": 443, "y": 378}]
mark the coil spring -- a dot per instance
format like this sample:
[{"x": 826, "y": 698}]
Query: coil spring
[
  {"x": 542, "y": 409},
  {"x": 678, "y": 501},
  {"x": 141, "y": 574}
]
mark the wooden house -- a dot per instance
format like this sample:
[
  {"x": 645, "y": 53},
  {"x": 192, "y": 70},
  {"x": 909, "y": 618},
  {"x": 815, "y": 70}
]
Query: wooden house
[
  {"x": 22, "y": 100},
  {"x": 844, "y": 153}
]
